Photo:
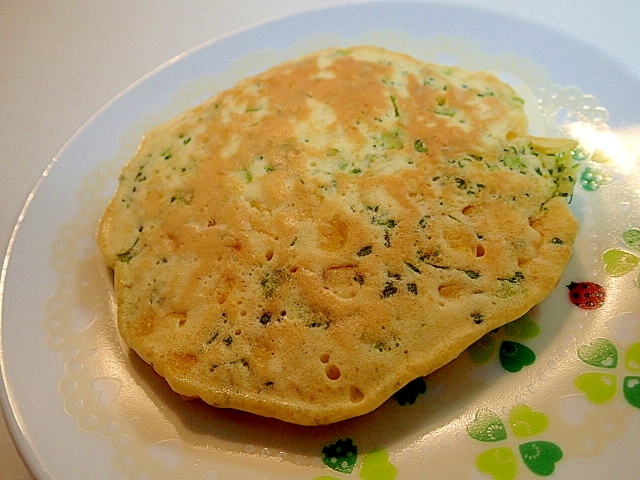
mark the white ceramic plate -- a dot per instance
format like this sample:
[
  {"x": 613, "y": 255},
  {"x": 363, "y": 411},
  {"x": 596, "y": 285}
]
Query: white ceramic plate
[{"x": 555, "y": 394}]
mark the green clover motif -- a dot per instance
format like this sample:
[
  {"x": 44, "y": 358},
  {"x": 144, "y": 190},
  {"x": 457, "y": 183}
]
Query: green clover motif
[
  {"x": 342, "y": 457},
  {"x": 592, "y": 178},
  {"x": 599, "y": 353},
  {"x": 595, "y": 176},
  {"x": 513, "y": 356},
  {"x": 600, "y": 386},
  {"x": 579, "y": 154},
  {"x": 487, "y": 427},
  {"x": 619, "y": 262},
  {"x": 501, "y": 463},
  {"x": 408, "y": 394}
]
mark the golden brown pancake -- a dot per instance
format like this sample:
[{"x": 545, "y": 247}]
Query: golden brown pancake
[{"x": 307, "y": 242}]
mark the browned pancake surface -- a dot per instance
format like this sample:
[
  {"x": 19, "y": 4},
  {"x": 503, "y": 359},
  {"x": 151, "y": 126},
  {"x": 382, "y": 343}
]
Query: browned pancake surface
[{"x": 304, "y": 244}]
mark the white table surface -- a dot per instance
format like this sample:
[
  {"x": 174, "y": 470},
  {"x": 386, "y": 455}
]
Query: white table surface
[{"x": 61, "y": 61}]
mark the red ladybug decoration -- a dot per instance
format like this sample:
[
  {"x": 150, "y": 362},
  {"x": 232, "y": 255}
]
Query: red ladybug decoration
[{"x": 586, "y": 295}]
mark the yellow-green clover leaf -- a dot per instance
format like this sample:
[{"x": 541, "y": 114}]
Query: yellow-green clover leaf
[
  {"x": 632, "y": 359},
  {"x": 618, "y": 262},
  {"x": 598, "y": 387},
  {"x": 376, "y": 466},
  {"x": 525, "y": 422},
  {"x": 500, "y": 463}
]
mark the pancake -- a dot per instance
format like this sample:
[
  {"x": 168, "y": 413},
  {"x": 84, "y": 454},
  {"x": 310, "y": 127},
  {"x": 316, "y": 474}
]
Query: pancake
[{"x": 304, "y": 244}]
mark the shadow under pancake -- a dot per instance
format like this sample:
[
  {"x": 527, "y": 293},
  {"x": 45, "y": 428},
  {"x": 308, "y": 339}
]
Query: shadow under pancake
[{"x": 391, "y": 426}]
